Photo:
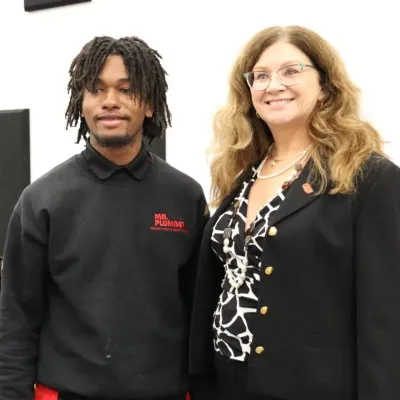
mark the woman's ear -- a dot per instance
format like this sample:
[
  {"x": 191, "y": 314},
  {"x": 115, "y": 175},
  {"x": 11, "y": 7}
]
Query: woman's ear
[{"x": 324, "y": 93}]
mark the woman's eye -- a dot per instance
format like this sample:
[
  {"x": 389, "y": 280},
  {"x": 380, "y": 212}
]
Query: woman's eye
[
  {"x": 291, "y": 72},
  {"x": 261, "y": 76}
]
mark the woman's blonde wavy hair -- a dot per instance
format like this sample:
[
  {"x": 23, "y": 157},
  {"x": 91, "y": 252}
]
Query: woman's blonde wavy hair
[{"x": 342, "y": 141}]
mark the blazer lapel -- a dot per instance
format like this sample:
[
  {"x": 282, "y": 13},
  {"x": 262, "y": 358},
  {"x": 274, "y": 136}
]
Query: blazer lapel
[
  {"x": 224, "y": 205},
  {"x": 299, "y": 195},
  {"x": 228, "y": 199}
]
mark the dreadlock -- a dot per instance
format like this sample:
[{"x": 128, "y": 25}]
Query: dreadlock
[{"x": 146, "y": 76}]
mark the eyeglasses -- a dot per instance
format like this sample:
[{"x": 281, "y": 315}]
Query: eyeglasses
[{"x": 289, "y": 75}]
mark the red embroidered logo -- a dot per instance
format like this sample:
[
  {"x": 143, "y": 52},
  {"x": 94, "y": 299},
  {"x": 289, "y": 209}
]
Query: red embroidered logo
[
  {"x": 45, "y": 393},
  {"x": 163, "y": 223}
]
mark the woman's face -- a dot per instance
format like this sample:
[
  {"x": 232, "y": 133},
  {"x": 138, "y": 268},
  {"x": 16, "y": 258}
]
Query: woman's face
[{"x": 290, "y": 85}]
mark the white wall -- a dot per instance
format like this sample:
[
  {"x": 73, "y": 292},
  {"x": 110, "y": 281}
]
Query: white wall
[{"x": 199, "y": 42}]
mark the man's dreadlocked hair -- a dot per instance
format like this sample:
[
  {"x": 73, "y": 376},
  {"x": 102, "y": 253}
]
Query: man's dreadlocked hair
[{"x": 146, "y": 76}]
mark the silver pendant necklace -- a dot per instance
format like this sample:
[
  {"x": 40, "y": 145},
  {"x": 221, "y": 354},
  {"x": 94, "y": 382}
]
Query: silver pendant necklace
[{"x": 300, "y": 157}]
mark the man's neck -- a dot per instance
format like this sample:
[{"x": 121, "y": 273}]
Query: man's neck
[{"x": 120, "y": 155}]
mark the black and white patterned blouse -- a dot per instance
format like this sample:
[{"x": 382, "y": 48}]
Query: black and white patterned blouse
[{"x": 232, "y": 317}]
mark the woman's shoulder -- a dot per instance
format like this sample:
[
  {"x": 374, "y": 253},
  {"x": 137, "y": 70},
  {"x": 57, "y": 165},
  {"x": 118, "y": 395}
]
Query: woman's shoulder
[
  {"x": 379, "y": 174},
  {"x": 379, "y": 166}
]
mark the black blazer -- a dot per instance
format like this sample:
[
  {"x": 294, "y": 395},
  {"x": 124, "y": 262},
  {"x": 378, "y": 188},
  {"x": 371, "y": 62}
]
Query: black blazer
[{"x": 331, "y": 282}]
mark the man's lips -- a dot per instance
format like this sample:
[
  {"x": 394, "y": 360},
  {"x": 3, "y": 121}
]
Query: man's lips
[
  {"x": 111, "y": 121},
  {"x": 111, "y": 117}
]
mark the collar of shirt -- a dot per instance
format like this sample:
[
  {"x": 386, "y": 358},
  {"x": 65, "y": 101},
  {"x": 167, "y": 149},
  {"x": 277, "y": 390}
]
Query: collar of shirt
[{"x": 104, "y": 168}]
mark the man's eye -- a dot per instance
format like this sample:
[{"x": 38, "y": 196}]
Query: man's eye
[
  {"x": 97, "y": 90},
  {"x": 126, "y": 91}
]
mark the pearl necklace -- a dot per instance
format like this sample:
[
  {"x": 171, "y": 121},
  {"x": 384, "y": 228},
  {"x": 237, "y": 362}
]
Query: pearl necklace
[
  {"x": 302, "y": 155},
  {"x": 237, "y": 281}
]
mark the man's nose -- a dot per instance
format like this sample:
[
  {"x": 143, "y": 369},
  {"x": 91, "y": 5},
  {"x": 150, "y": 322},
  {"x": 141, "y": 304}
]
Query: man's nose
[{"x": 111, "y": 100}]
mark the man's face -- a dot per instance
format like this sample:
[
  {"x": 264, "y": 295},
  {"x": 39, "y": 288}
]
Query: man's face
[{"x": 113, "y": 116}]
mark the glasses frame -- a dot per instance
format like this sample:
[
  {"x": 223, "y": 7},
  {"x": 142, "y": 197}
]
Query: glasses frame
[{"x": 302, "y": 65}]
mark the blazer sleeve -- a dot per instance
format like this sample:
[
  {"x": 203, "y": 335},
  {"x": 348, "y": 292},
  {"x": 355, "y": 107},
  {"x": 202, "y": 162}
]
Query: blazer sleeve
[{"x": 377, "y": 283}]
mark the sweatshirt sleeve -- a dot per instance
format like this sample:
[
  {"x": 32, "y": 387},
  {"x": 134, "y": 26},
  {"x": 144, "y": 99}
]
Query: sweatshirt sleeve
[
  {"x": 22, "y": 300},
  {"x": 189, "y": 273}
]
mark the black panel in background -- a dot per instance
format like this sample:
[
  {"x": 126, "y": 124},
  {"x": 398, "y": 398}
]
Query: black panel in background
[
  {"x": 157, "y": 147},
  {"x": 34, "y": 5},
  {"x": 14, "y": 163}
]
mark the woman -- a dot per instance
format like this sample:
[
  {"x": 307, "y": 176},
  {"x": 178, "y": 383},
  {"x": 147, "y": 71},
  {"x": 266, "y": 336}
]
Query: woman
[{"x": 298, "y": 288}]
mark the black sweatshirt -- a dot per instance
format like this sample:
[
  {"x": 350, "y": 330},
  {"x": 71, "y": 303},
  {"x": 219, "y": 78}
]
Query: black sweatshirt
[{"x": 97, "y": 281}]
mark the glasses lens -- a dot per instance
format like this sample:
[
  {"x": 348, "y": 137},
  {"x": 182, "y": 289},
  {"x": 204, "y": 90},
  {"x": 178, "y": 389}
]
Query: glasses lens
[
  {"x": 290, "y": 75},
  {"x": 258, "y": 80}
]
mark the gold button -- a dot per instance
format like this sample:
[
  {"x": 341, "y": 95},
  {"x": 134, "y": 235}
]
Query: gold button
[
  {"x": 259, "y": 350},
  {"x": 272, "y": 231},
  {"x": 264, "y": 310},
  {"x": 268, "y": 270}
]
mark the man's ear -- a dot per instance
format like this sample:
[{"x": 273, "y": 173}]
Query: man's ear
[{"x": 148, "y": 111}]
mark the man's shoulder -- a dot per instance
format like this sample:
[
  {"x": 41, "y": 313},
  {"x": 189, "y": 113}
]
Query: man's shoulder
[
  {"x": 175, "y": 178},
  {"x": 54, "y": 179}
]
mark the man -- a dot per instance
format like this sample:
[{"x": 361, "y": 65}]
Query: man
[{"x": 100, "y": 253}]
